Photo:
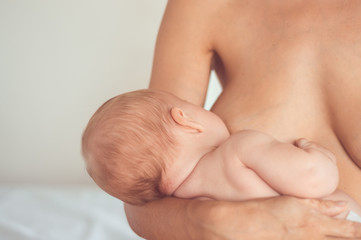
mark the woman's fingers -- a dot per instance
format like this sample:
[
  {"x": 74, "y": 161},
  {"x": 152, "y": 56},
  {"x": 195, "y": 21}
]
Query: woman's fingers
[
  {"x": 327, "y": 207},
  {"x": 333, "y": 227},
  {"x": 341, "y": 228},
  {"x": 312, "y": 219}
]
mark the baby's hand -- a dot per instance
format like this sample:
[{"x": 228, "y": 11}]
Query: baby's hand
[{"x": 314, "y": 147}]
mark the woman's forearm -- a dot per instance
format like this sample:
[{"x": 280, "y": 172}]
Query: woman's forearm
[
  {"x": 168, "y": 218},
  {"x": 173, "y": 218},
  {"x": 262, "y": 219}
]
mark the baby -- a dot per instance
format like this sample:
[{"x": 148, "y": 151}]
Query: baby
[{"x": 148, "y": 144}]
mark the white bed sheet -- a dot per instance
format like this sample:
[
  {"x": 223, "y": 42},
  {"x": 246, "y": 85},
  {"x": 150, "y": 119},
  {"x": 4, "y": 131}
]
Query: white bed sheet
[{"x": 61, "y": 213}]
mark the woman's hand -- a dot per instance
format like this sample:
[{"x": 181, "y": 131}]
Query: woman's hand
[{"x": 282, "y": 217}]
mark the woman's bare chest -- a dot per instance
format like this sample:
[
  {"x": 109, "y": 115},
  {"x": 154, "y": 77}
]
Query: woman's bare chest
[
  {"x": 318, "y": 115},
  {"x": 298, "y": 80}
]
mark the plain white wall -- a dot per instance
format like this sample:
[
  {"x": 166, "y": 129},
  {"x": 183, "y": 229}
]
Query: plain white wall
[{"x": 59, "y": 60}]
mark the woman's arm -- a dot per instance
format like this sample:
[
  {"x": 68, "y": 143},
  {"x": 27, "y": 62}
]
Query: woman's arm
[
  {"x": 183, "y": 52},
  {"x": 181, "y": 66},
  {"x": 271, "y": 218},
  {"x": 167, "y": 218}
]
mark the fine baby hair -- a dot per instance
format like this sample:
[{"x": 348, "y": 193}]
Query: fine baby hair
[{"x": 127, "y": 145}]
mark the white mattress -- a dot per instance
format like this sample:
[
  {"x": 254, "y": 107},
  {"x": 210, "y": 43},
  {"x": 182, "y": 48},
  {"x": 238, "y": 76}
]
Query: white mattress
[{"x": 61, "y": 213}]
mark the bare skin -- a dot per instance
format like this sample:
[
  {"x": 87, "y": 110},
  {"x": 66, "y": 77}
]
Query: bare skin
[{"x": 288, "y": 68}]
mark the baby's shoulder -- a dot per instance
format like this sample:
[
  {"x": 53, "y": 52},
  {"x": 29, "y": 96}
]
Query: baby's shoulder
[{"x": 248, "y": 140}]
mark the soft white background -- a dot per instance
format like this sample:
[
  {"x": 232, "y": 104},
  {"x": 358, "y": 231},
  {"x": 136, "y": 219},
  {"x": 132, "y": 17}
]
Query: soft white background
[{"x": 59, "y": 60}]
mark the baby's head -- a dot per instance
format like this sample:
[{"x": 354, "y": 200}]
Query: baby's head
[
  {"x": 128, "y": 143},
  {"x": 141, "y": 146}
]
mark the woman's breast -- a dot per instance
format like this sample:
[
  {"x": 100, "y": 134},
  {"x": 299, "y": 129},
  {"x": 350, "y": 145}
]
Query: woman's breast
[
  {"x": 295, "y": 73},
  {"x": 322, "y": 107}
]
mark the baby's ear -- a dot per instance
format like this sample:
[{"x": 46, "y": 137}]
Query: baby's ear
[{"x": 185, "y": 121}]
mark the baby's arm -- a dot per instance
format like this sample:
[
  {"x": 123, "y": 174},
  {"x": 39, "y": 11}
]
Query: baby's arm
[{"x": 306, "y": 170}]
